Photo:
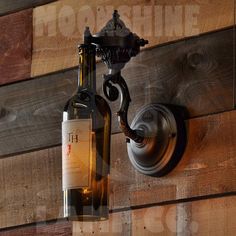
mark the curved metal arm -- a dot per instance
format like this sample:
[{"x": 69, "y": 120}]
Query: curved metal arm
[
  {"x": 112, "y": 94},
  {"x": 159, "y": 147},
  {"x": 116, "y": 45}
]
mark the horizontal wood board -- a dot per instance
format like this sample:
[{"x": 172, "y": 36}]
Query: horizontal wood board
[
  {"x": 195, "y": 73},
  {"x": 31, "y": 183},
  {"x": 31, "y": 188},
  {"x": 207, "y": 166},
  {"x": 15, "y": 46},
  {"x": 58, "y": 27},
  {"x": 183, "y": 219},
  {"x": 60, "y": 228},
  {"x": 9, "y": 6}
]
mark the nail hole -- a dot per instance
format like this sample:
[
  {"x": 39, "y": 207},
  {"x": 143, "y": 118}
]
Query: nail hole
[
  {"x": 3, "y": 112},
  {"x": 7, "y": 115}
]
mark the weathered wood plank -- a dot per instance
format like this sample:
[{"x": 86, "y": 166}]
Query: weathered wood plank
[
  {"x": 31, "y": 112},
  {"x": 10, "y": 6},
  {"x": 31, "y": 183},
  {"x": 195, "y": 73},
  {"x": 52, "y": 229},
  {"x": 30, "y": 188},
  {"x": 207, "y": 217},
  {"x": 58, "y": 27},
  {"x": 159, "y": 220},
  {"x": 235, "y": 54},
  {"x": 118, "y": 224},
  {"x": 192, "y": 218},
  {"x": 15, "y": 46},
  {"x": 182, "y": 219},
  {"x": 208, "y": 166}
]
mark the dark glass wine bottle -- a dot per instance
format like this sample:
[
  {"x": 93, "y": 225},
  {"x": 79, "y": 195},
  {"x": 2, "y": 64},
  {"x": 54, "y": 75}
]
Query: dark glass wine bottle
[{"x": 86, "y": 146}]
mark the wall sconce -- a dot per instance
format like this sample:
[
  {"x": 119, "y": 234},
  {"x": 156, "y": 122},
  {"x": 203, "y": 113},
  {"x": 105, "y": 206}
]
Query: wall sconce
[{"x": 155, "y": 139}]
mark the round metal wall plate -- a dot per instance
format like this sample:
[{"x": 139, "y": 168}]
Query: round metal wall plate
[{"x": 165, "y": 137}]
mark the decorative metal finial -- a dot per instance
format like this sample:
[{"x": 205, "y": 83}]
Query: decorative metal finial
[
  {"x": 116, "y": 14},
  {"x": 116, "y": 44},
  {"x": 116, "y": 17}
]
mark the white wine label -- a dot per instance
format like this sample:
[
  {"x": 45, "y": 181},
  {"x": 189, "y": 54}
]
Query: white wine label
[{"x": 76, "y": 153}]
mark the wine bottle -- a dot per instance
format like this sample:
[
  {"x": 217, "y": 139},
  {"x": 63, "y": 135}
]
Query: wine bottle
[{"x": 86, "y": 135}]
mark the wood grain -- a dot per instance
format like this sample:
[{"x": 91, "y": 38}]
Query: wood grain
[
  {"x": 185, "y": 219},
  {"x": 191, "y": 218},
  {"x": 195, "y": 73},
  {"x": 15, "y": 46},
  {"x": 207, "y": 166},
  {"x": 31, "y": 183},
  {"x": 58, "y": 27},
  {"x": 234, "y": 49},
  {"x": 10, "y": 6},
  {"x": 55, "y": 229},
  {"x": 207, "y": 217},
  {"x": 118, "y": 224},
  {"x": 30, "y": 188}
]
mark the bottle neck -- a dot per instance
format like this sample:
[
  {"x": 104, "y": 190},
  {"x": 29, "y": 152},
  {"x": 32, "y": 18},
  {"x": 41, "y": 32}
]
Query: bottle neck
[{"x": 87, "y": 67}]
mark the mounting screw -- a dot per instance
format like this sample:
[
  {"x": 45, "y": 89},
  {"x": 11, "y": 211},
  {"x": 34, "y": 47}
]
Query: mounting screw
[{"x": 142, "y": 42}]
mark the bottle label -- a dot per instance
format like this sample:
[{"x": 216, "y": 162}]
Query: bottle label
[{"x": 76, "y": 153}]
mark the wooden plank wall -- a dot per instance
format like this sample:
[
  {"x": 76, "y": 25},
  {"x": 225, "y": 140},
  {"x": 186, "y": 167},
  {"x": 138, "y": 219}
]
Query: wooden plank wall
[
  {"x": 11, "y": 6},
  {"x": 38, "y": 76},
  {"x": 55, "y": 47},
  {"x": 34, "y": 178},
  {"x": 181, "y": 219},
  {"x": 199, "y": 87},
  {"x": 16, "y": 46},
  {"x": 57, "y": 228}
]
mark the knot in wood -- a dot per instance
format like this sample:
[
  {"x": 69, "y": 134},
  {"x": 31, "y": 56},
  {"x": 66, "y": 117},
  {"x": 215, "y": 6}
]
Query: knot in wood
[{"x": 194, "y": 59}]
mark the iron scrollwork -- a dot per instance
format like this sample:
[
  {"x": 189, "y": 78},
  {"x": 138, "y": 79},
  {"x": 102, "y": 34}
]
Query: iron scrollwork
[{"x": 156, "y": 138}]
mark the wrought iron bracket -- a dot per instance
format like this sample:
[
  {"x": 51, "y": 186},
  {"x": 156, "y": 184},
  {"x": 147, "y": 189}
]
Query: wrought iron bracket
[
  {"x": 156, "y": 138},
  {"x": 112, "y": 93}
]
